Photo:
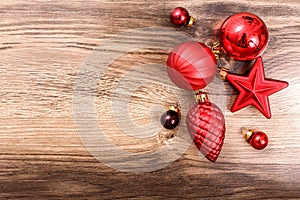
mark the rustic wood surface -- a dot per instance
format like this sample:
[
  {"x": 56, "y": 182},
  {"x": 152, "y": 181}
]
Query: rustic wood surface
[{"x": 44, "y": 44}]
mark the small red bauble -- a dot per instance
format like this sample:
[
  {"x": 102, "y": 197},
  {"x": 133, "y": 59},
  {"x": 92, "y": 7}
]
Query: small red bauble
[
  {"x": 180, "y": 17},
  {"x": 259, "y": 140},
  {"x": 191, "y": 65},
  {"x": 206, "y": 125},
  {"x": 244, "y": 36}
]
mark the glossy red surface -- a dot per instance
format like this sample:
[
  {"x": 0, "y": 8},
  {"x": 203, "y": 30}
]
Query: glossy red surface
[
  {"x": 191, "y": 65},
  {"x": 206, "y": 125},
  {"x": 170, "y": 119},
  {"x": 259, "y": 140},
  {"x": 180, "y": 16},
  {"x": 255, "y": 88},
  {"x": 244, "y": 36}
]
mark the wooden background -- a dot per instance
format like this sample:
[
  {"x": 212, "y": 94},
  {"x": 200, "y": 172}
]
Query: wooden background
[{"x": 43, "y": 45}]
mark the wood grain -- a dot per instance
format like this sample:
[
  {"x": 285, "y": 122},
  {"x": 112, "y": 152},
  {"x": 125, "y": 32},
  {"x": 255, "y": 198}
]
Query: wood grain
[{"x": 44, "y": 44}]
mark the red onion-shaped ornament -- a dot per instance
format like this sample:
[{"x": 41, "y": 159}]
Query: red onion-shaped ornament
[
  {"x": 191, "y": 65},
  {"x": 244, "y": 36},
  {"x": 206, "y": 125}
]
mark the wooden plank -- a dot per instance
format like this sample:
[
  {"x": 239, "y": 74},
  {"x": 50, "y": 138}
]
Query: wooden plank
[{"x": 43, "y": 46}]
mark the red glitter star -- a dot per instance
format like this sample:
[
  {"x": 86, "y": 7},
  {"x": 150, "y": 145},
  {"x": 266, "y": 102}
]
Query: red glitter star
[{"x": 255, "y": 88}]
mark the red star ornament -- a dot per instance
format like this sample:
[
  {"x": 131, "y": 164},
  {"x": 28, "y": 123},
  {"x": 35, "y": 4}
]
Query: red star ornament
[{"x": 255, "y": 88}]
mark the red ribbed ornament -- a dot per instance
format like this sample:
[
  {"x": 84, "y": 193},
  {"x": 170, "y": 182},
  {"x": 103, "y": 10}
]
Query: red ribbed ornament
[
  {"x": 206, "y": 125},
  {"x": 244, "y": 36},
  {"x": 191, "y": 65}
]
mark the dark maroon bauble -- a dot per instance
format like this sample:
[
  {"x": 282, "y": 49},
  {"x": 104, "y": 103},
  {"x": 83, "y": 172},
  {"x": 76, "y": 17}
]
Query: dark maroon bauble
[
  {"x": 170, "y": 119},
  {"x": 244, "y": 36},
  {"x": 259, "y": 140},
  {"x": 180, "y": 16}
]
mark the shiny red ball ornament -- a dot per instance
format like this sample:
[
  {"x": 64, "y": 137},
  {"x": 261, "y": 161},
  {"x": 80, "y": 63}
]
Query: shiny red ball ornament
[
  {"x": 244, "y": 36},
  {"x": 206, "y": 125},
  {"x": 181, "y": 17},
  {"x": 191, "y": 65},
  {"x": 258, "y": 139}
]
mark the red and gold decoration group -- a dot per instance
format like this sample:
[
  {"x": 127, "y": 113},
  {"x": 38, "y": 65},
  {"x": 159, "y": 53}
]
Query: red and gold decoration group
[{"x": 193, "y": 65}]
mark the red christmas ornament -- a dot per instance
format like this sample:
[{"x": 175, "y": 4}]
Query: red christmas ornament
[
  {"x": 170, "y": 119},
  {"x": 255, "y": 88},
  {"x": 191, "y": 65},
  {"x": 258, "y": 139},
  {"x": 206, "y": 125},
  {"x": 244, "y": 36},
  {"x": 180, "y": 17}
]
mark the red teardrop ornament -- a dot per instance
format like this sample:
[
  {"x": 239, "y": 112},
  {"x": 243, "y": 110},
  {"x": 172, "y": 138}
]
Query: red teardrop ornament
[
  {"x": 244, "y": 36},
  {"x": 191, "y": 65},
  {"x": 206, "y": 125}
]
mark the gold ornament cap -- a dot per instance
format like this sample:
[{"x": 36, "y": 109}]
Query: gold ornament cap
[
  {"x": 247, "y": 133},
  {"x": 191, "y": 22},
  {"x": 223, "y": 72},
  {"x": 175, "y": 109},
  {"x": 201, "y": 96}
]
